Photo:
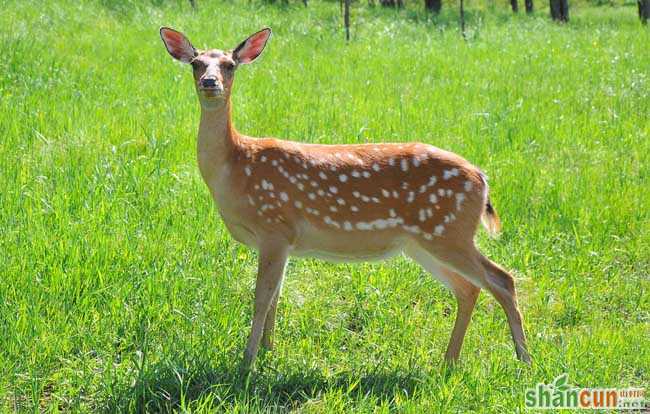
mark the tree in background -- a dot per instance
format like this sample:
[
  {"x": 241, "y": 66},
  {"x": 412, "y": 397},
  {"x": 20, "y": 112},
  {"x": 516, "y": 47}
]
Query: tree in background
[
  {"x": 560, "y": 10},
  {"x": 529, "y": 6},
  {"x": 644, "y": 10},
  {"x": 392, "y": 3},
  {"x": 515, "y": 6},
  {"x": 433, "y": 5},
  {"x": 346, "y": 19}
]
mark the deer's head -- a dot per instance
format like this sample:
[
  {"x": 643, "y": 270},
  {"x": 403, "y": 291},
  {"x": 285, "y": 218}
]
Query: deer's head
[{"x": 213, "y": 69}]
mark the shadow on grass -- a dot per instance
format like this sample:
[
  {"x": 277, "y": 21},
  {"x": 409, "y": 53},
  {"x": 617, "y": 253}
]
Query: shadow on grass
[{"x": 168, "y": 388}]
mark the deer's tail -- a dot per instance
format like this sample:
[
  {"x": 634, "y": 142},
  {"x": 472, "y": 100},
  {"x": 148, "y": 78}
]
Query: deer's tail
[{"x": 490, "y": 218}]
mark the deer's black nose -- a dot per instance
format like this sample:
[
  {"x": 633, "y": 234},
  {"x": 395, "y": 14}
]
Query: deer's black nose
[{"x": 208, "y": 82}]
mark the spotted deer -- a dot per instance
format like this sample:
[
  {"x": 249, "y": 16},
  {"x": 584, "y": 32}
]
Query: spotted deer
[{"x": 355, "y": 202}]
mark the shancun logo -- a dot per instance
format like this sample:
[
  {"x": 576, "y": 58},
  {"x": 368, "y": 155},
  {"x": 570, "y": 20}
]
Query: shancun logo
[{"x": 561, "y": 395}]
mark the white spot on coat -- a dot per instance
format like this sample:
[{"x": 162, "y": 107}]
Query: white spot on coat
[{"x": 460, "y": 197}]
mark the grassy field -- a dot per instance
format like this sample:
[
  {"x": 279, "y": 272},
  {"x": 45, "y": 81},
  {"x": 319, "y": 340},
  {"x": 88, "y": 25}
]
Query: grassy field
[{"x": 120, "y": 289}]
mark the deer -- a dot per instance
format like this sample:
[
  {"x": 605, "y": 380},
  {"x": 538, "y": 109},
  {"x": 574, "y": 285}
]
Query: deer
[{"x": 341, "y": 203}]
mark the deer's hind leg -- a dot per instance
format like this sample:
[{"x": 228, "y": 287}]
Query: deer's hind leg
[
  {"x": 502, "y": 286},
  {"x": 465, "y": 292},
  {"x": 468, "y": 262}
]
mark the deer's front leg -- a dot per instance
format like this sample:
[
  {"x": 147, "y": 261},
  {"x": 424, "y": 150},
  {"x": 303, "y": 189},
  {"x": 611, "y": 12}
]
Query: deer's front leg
[
  {"x": 269, "y": 325},
  {"x": 272, "y": 260}
]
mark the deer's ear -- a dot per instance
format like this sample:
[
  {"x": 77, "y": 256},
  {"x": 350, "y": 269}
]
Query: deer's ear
[
  {"x": 177, "y": 45},
  {"x": 251, "y": 48}
]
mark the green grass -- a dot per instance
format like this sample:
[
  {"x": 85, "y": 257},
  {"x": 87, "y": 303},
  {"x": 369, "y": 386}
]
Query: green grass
[{"x": 121, "y": 290}]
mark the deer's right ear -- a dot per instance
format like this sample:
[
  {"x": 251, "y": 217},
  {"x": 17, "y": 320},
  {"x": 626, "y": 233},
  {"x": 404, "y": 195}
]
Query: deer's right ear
[{"x": 177, "y": 45}]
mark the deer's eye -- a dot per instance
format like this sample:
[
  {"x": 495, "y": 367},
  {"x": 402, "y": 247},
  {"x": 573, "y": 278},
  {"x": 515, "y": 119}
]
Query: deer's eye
[
  {"x": 228, "y": 66},
  {"x": 197, "y": 64}
]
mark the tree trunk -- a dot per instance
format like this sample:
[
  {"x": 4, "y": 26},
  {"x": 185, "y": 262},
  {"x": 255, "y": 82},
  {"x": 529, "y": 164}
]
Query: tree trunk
[
  {"x": 644, "y": 10},
  {"x": 346, "y": 19},
  {"x": 433, "y": 5},
  {"x": 565, "y": 10},
  {"x": 462, "y": 19},
  {"x": 560, "y": 10},
  {"x": 515, "y": 6},
  {"x": 529, "y": 6}
]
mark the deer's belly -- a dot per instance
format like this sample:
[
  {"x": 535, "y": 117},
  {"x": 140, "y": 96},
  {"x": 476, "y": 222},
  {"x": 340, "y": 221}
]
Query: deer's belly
[{"x": 346, "y": 247}]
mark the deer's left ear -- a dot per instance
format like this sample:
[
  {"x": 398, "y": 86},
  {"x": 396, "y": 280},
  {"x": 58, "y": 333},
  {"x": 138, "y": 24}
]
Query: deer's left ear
[
  {"x": 251, "y": 48},
  {"x": 177, "y": 44}
]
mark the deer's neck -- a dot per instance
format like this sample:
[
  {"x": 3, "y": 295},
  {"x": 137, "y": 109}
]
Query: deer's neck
[{"x": 217, "y": 141}]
